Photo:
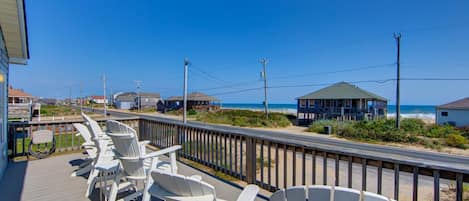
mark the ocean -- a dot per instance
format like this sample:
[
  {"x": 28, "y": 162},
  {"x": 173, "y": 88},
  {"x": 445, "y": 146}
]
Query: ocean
[{"x": 410, "y": 111}]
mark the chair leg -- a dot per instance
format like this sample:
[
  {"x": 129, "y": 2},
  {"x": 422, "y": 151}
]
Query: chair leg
[
  {"x": 93, "y": 174},
  {"x": 91, "y": 186}
]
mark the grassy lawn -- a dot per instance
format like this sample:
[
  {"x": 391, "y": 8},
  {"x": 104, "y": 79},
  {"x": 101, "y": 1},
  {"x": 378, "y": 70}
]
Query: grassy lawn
[
  {"x": 243, "y": 118},
  {"x": 62, "y": 141},
  {"x": 58, "y": 110}
]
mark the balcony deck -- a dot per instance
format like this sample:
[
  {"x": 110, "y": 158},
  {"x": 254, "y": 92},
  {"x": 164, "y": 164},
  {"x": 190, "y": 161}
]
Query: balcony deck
[{"x": 49, "y": 180}]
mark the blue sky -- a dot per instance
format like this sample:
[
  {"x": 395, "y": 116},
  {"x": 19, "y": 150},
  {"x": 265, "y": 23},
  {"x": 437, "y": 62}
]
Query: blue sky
[{"x": 74, "y": 42}]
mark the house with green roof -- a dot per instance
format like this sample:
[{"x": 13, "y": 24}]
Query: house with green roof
[{"x": 343, "y": 101}]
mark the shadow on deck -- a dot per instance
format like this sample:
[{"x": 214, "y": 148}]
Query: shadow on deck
[{"x": 49, "y": 180}]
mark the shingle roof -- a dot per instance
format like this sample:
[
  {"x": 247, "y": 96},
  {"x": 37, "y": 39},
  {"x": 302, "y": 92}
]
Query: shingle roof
[
  {"x": 17, "y": 93},
  {"x": 195, "y": 96},
  {"x": 149, "y": 95},
  {"x": 342, "y": 90},
  {"x": 126, "y": 96},
  {"x": 459, "y": 104}
]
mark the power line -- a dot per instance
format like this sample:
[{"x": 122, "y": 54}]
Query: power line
[
  {"x": 337, "y": 71},
  {"x": 234, "y": 85},
  {"x": 210, "y": 76},
  {"x": 381, "y": 81}
]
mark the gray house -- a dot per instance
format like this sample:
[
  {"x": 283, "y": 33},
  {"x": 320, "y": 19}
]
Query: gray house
[
  {"x": 342, "y": 101},
  {"x": 125, "y": 100},
  {"x": 455, "y": 113},
  {"x": 148, "y": 100}
]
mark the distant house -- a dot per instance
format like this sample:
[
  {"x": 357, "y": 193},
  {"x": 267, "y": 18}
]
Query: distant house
[
  {"x": 340, "y": 101},
  {"x": 195, "y": 101},
  {"x": 98, "y": 99},
  {"x": 125, "y": 100},
  {"x": 18, "y": 96},
  {"x": 455, "y": 113},
  {"x": 149, "y": 100},
  {"x": 19, "y": 104}
]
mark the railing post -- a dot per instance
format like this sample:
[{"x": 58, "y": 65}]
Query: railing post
[{"x": 251, "y": 160}]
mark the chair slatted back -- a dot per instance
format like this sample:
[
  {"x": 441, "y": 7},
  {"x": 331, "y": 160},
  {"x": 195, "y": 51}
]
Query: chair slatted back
[
  {"x": 84, "y": 132},
  {"x": 368, "y": 196},
  {"x": 127, "y": 148},
  {"x": 319, "y": 193},
  {"x": 346, "y": 194},
  {"x": 181, "y": 185}
]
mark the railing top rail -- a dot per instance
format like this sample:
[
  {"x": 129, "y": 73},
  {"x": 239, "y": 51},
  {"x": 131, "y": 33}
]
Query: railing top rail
[{"x": 66, "y": 121}]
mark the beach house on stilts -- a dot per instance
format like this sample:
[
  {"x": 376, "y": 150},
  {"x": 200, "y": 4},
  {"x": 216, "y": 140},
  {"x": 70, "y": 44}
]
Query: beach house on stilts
[{"x": 342, "y": 101}]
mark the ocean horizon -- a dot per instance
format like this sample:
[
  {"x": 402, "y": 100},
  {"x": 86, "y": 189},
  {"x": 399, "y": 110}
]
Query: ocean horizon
[{"x": 414, "y": 111}]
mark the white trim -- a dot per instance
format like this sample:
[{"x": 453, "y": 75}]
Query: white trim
[
  {"x": 20, "y": 61},
  {"x": 22, "y": 23}
]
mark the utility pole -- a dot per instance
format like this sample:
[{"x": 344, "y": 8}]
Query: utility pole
[
  {"x": 264, "y": 62},
  {"x": 70, "y": 96},
  {"x": 81, "y": 96},
  {"x": 186, "y": 66},
  {"x": 397, "y": 36},
  {"x": 138, "y": 82},
  {"x": 104, "y": 95}
]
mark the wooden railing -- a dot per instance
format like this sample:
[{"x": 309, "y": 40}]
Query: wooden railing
[
  {"x": 274, "y": 163},
  {"x": 64, "y": 134}
]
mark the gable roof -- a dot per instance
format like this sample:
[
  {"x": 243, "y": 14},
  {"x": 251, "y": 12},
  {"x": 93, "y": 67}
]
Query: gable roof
[
  {"x": 342, "y": 90},
  {"x": 126, "y": 97},
  {"x": 458, "y": 104},
  {"x": 195, "y": 96},
  {"x": 17, "y": 93},
  {"x": 149, "y": 95}
]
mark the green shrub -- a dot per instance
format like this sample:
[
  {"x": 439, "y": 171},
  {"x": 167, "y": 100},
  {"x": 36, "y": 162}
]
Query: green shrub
[
  {"x": 455, "y": 140},
  {"x": 437, "y": 131},
  {"x": 245, "y": 118},
  {"x": 413, "y": 125},
  {"x": 191, "y": 112}
]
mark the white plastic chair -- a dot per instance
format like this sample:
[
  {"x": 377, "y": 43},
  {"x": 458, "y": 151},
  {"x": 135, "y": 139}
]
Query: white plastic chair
[
  {"x": 174, "y": 187},
  {"x": 89, "y": 147},
  {"x": 369, "y": 196},
  {"x": 132, "y": 158},
  {"x": 319, "y": 193},
  {"x": 346, "y": 194}
]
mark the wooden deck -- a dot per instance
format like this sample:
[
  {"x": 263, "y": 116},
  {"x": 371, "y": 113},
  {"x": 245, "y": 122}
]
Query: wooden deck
[{"x": 49, "y": 180}]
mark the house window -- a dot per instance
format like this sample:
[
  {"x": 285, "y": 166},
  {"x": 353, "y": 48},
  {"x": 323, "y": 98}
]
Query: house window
[
  {"x": 444, "y": 114},
  {"x": 311, "y": 103},
  {"x": 303, "y": 103},
  {"x": 348, "y": 103}
]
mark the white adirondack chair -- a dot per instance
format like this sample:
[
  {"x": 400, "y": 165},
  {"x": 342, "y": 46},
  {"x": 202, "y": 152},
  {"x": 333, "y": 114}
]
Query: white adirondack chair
[
  {"x": 132, "y": 156},
  {"x": 104, "y": 153},
  {"x": 175, "y": 187},
  {"x": 369, "y": 196},
  {"x": 324, "y": 193},
  {"x": 346, "y": 194},
  {"x": 90, "y": 148}
]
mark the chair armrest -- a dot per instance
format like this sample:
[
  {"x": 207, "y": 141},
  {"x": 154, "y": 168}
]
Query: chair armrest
[
  {"x": 249, "y": 193},
  {"x": 108, "y": 165},
  {"x": 196, "y": 177},
  {"x": 161, "y": 152},
  {"x": 144, "y": 142}
]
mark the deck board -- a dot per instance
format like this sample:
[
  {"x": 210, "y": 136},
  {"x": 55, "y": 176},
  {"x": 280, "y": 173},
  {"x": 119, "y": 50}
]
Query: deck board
[{"x": 49, "y": 180}]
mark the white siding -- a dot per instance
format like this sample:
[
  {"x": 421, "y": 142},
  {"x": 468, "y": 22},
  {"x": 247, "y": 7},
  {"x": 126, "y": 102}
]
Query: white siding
[{"x": 459, "y": 117}]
